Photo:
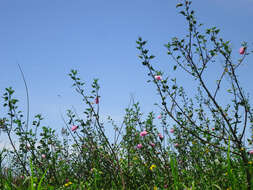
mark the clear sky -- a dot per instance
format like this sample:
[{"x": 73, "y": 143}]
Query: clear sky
[{"x": 97, "y": 37}]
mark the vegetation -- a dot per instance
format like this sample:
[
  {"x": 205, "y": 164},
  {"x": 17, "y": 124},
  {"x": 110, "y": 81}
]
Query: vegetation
[{"x": 202, "y": 142}]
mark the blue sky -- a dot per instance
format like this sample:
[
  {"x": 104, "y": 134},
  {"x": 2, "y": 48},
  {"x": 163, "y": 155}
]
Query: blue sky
[{"x": 50, "y": 37}]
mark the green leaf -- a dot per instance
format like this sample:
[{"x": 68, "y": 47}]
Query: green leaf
[
  {"x": 151, "y": 57},
  {"x": 182, "y": 12},
  {"x": 179, "y": 5}
]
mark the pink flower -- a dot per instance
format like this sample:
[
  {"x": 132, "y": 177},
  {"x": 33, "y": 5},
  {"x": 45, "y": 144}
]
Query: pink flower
[
  {"x": 176, "y": 145},
  {"x": 74, "y": 128},
  {"x": 172, "y": 130},
  {"x": 158, "y": 77},
  {"x": 152, "y": 144},
  {"x": 213, "y": 128},
  {"x": 242, "y": 50},
  {"x": 96, "y": 100},
  {"x": 43, "y": 156},
  {"x": 139, "y": 146},
  {"x": 143, "y": 133},
  {"x": 159, "y": 117},
  {"x": 160, "y": 136},
  {"x": 251, "y": 152}
]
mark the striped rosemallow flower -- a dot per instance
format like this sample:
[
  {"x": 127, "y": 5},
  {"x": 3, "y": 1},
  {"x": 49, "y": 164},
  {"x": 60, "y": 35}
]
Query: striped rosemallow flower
[
  {"x": 97, "y": 100},
  {"x": 160, "y": 136},
  {"x": 158, "y": 77},
  {"x": 139, "y": 146},
  {"x": 74, "y": 128},
  {"x": 172, "y": 130},
  {"x": 43, "y": 156},
  {"x": 152, "y": 144},
  {"x": 242, "y": 50},
  {"x": 251, "y": 152},
  {"x": 143, "y": 133},
  {"x": 176, "y": 145},
  {"x": 159, "y": 117}
]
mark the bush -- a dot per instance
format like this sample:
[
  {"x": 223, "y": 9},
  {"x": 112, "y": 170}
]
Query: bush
[{"x": 200, "y": 144}]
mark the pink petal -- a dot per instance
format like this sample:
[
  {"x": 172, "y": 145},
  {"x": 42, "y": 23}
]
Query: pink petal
[
  {"x": 158, "y": 77},
  {"x": 74, "y": 128},
  {"x": 152, "y": 144},
  {"x": 143, "y": 133},
  {"x": 160, "y": 136},
  {"x": 242, "y": 50},
  {"x": 96, "y": 100}
]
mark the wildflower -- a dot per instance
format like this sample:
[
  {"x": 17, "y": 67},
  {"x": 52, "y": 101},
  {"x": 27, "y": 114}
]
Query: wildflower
[
  {"x": 43, "y": 156},
  {"x": 160, "y": 136},
  {"x": 242, "y": 50},
  {"x": 74, "y": 128},
  {"x": 152, "y": 144},
  {"x": 139, "y": 146},
  {"x": 159, "y": 117},
  {"x": 242, "y": 149},
  {"x": 158, "y": 77},
  {"x": 213, "y": 128},
  {"x": 176, "y": 145},
  {"x": 96, "y": 100},
  {"x": 68, "y": 184},
  {"x": 155, "y": 188},
  {"x": 172, "y": 130},
  {"x": 250, "y": 162},
  {"x": 251, "y": 152},
  {"x": 152, "y": 167},
  {"x": 143, "y": 133}
]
